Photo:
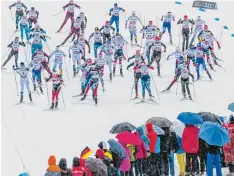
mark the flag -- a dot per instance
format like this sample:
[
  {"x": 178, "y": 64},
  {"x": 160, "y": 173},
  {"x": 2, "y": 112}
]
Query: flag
[{"x": 86, "y": 153}]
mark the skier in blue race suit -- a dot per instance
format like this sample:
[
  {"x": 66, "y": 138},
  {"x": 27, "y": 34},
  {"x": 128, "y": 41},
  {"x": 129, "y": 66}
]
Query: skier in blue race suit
[{"x": 114, "y": 13}]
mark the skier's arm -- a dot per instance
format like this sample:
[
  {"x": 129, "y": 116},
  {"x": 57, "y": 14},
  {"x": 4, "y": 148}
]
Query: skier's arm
[
  {"x": 130, "y": 65},
  {"x": 180, "y": 21},
  {"x": 64, "y": 55},
  {"x": 113, "y": 29},
  {"x": 48, "y": 57},
  {"x": 52, "y": 54},
  {"x": 10, "y": 45},
  {"x": 86, "y": 20},
  {"x": 164, "y": 46},
  {"x": 77, "y": 6},
  {"x": 22, "y": 44},
  {"x": 191, "y": 21},
  {"x": 90, "y": 36},
  {"x": 37, "y": 14},
  {"x": 64, "y": 7},
  {"x": 24, "y": 6},
  {"x": 131, "y": 58},
  {"x": 111, "y": 9},
  {"x": 162, "y": 17},
  {"x": 87, "y": 43},
  {"x": 170, "y": 55},
  {"x": 12, "y": 5},
  {"x": 199, "y": 35},
  {"x": 101, "y": 28},
  {"x": 190, "y": 74},
  {"x": 120, "y": 8}
]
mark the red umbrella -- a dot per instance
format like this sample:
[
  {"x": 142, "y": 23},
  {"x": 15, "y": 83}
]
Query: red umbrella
[{"x": 126, "y": 137}]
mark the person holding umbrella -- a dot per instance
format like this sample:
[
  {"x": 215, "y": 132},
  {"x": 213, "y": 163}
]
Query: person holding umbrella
[{"x": 229, "y": 147}]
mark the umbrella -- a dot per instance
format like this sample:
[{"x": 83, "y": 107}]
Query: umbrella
[
  {"x": 231, "y": 107},
  {"x": 190, "y": 118},
  {"x": 178, "y": 127},
  {"x": 120, "y": 127},
  {"x": 214, "y": 134},
  {"x": 96, "y": 166},
  {"x": 157, "y": 129},
  {"x": 117, "y": 148},
  {"x": 23, "y": 174},
  {"x": 126, "y": 137},
  {"x": 160, "y": 122},
  {"x": 208, "y": 116}
]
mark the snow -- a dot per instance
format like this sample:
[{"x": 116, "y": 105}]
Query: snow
[{"x": 66, "y": 132}]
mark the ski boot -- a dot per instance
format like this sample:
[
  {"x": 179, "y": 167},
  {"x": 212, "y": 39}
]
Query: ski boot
[
  {"x": 56, "y": 104},
  {"x": 136, "y": 96},
  {"x": 114, "y": 71},
  {"x": 190, "y": 97},
  {"x": 95, "y": 100},
  {"x": 208, "y": 73},
  {"x": 41, "y": 90},
  {"x": 82, "y": 93},
  {"x": 111, "y": 77},
  {"x": 74, "y": 74},
  {"x": 171, "y": 41},
  {"x": 21, "y": 98},
  {"x": 30, "y": 97},
  {"x": 159, "y": 74},
  {"x": 52, "y": 106},
  {"x": 121, "y": 72},
  {"x": 17, "y": 27},
  {"x": 151, "y": 98},
  {"x": 211, "y": 67},
  {"x": 93, "y": 97},
  {"x": 34, "y": 87},
  {"x": 135, "y": 40},
  {"x": 143, "y": 99},
  {"x": 83, "y": 98}
]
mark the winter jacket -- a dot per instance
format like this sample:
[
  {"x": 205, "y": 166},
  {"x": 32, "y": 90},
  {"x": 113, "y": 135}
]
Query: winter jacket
[
  {"x": 144, "y": 138},
  {"x": 53, "y": 168},
  {"x": 126, "y": 165},
  {"x": 79, "y": 168},
  {"x": 179, "y": 142},
  {"x": 152, "y": 136},
  {"x": 116, "y": 160},
  {"x": 190, "y": 139},
  {"x": 174, "y": 144},
  {"x": 165, "y": 143},
  {"x": 110, "y": 169},
  {"x": 229, "y": 147},
  {"x": 63, "y": 166},
  {"x": 202, "y": 147},
  {"x": 132, "y": 152},
  {"x": 141, "y": 149},
  {"x": 158, "y": 143},
  {"x": 102, "y": 145},
  {"x": 213, "y": 149}
]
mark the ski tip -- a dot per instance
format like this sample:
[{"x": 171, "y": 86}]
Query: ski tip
[{"x": 178, "y": 2}]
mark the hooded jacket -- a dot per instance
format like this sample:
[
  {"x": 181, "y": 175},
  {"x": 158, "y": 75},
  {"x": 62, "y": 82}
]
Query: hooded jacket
[
  {"x": 141, "y": 150},
  {"x": 166, "y": 142},
  {"x": 116, "y": 160},
  {"x": 144, "y": 138},
  {"x": 126, "y": 164},
  {"x": 110, "y": 169},
  {"x": 63, "y": 166},
  {"x": 229, "y": 147},
  {"x": 152, "y": 136},
  {"x": 79, "y": 168},
  {"x": 190, "y": 139},
  {"x": 52, "y": 165}
]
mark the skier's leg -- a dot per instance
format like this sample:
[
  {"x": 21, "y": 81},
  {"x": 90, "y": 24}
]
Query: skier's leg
[
  {"x": 187, "y": 87},
  {"x": 16, "y": 58},
  {"x": 64, "y": 22},
  {"x": 8, "y": 58},
  {"x": 117, "y": 24},
  {"x": 22, "y": 32},
  {"x": 184, "y": 38},
  {"x": 143, "y": 87},
  {"x": 183, "y": 87}
]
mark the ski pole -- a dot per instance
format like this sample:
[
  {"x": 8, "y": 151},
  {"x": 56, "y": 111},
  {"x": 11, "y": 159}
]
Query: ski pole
[
  {"x": 16, "y": 84},
  {"x": 12, "y": 35},
  {"x": 11, "y": 15},
  {"x": 46, "y": 89},
  {"x": 58, "y": 13},
  {"x": 193, "y": 90},
  {"x": 62, "y": 97},
  {"x": 5, "y": 54},
  {"x": 47, "y": 46},
  {"x": 66, "y": 68},
  {"x": 177, "y": 86},
  {"x": 132, "y": 89},
  {"x": 155, "y": 85}
]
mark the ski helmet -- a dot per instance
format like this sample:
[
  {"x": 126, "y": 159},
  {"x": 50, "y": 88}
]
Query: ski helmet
[
  {"x": 16, "y": 38},
  {"x": 181, "y": 59},
  {"x": 185, "y": 17},
  {"x": 32, "y": 8},
  {"x": 22, "y": 64},
  {"x": 138, "y": 52},
  {"x": 75, "y": 42},
  {"x": 107, "y": 23},
  {"x": 206, "y": 27},
  {"x": 169, "y": 13},
  {"x": 133, "y": 13},
  {"x": 157, "y": 38},
  {"x": 115, "y": 4}
]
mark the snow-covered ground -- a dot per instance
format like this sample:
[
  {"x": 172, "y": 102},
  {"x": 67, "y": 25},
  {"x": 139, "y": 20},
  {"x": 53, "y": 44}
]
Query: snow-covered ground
[{"x": 64, "y": 133}]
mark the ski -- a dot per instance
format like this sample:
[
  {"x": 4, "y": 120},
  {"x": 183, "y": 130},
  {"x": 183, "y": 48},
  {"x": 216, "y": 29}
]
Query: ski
[
  {"x": 186, "y": 99},
  {"x": 135, "y": 98},
  {"x": 75, "y": 96},
  {"x": 51, "y": 109},
  {"x": 152, "y": 101}
]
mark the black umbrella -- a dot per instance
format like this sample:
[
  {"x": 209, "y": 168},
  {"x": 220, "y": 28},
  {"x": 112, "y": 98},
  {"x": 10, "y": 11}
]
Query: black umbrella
[
  {"x": 160, "y": 122},
  {"x": 208, "y": 116},
  {"x": 120, "y": 127}
]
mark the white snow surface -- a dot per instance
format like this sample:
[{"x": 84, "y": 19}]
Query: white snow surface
[{"x": 66, "y": 132}]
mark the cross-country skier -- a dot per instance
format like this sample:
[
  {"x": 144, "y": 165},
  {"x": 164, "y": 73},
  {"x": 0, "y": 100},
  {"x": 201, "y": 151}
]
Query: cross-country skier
[
  {"x": 57, "y": 81},
  {"x": 77, "y": 52},
  {"x": 106, "y": 31},
  {"x": 108, "y": 50},
  {"x": 145, "y": 79},
  {"x": 84, "y": 21},
  {"x": 114, "y": 13},
  {"x": 200, "y": 61},
  {"x": 41, "y": 56},
  {"x": 100, "y": 62},
  {"x": 75, "y": 30},
  {"x": 58, "y": 59},
  {"x": 157, "y": 52},
  {"x": 137, "y": 72},
  {"x": 36, "y": 73},
  {"x": 149, "y": 33},
  {"x": 19, "y": 11},
  {"x": 82, "y": 42},
  {"x": 37, "y": 36},
  {"x": 199, "y": 23},
  {"x": 84, "y": 77},
  {"x": 97, "y": 38},
  {"x": 177, "y": 53},
  {"x": 70, "y": 13},
  {"x": 184, "y": 72},
  {"x": 93, "y": 76},
  {"x": 206, "y": 48},
  {"x": 179, "y": 59},
  {"x": 167, "y": 24},
  {"x": 14, "y": 45},
  {"x": 185, "y": 31},
  {"x": 24, "y": 81},
  {"x": 33, "y": 16},
  {"x": 190, "y": 56},
  {"x": 131, "y": 23},
  {"x": 24, "y": 28},
  {"x": 118, "y": 42}
]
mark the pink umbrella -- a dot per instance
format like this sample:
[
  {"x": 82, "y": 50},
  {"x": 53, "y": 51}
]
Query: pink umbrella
[{"x": 126, "y": 137}]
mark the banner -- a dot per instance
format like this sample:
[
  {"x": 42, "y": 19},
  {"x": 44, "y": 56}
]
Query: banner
[{"x": 205, "y": 5}]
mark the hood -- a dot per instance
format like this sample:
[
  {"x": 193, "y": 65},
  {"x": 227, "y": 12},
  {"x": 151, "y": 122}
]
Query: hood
[
  {"x": 137, "y": 133},
  {"x": 82, "y": 162},
  {"x": 140, "y": 130},
  {"x": 102, "y": 145},
  {"x": 100, "y": 153},
  {"x": 75, "y": 162},
  {"x": 52, "y": 160},
  {"x": 149, "y": 126},
  {"x": 63, "y": 164}
]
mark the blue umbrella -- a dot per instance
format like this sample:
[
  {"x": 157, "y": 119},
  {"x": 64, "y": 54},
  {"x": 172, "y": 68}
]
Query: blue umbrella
[
  {"x": 157, "y": 129},
  {"x": 202, "y": 10},
  {"x": 231, "y": 106},
  {"x": 117, "y": 148},
  {"x": 190, "y": 118},
  {"x": 214, "y": 134},
  {"x": 23, "y": 174},
  {"x": 217, "y": 19},
  {"x": 178, "y": 2}
]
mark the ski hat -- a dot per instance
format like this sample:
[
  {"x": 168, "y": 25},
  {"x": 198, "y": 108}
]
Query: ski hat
[
  {"x": 75, "y": 162},
  {"x": 138, "y": 52},
  {"x": 100, "y": 54},
  {"x": 115, "y": 4},
  {"x": 133, "y": 13},
  {"x": 96, "y": 29},
  {"x": 100, "y": 154},
  {"x": 107, "y": 23},
  {"x": 177, "y": 49},
  {"x": 231, "y": 119},
  {"x": 185, "y": 17},
  {"x": 22, "y": 64},
  {"x": 206, "y": 27},
  {"x": 102, "y": 145}
]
